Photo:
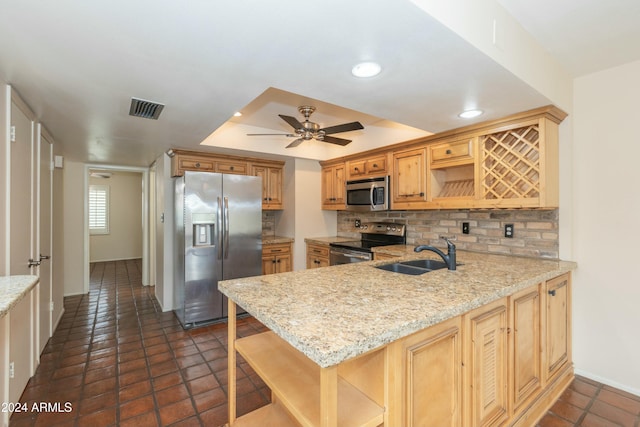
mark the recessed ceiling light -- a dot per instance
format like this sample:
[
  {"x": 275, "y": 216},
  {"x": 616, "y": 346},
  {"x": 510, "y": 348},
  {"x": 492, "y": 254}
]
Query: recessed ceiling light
[
  {"x": 366, "y": 69},
  {"x": 469, "y": 114},
  {"x": 237, "y": 114}
]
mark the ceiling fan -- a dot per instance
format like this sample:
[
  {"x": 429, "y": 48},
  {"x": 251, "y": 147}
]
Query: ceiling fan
[{"x": 308, "y": 130}]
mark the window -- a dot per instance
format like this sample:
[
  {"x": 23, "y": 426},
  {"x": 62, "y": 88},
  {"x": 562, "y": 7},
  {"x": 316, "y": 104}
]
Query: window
[{"x": 99, "y": 209}]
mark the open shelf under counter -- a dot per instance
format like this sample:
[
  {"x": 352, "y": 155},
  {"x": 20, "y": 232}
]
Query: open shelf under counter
[
  {"x": 271, "y": 415},
  {"x": 295, "y": 381}
]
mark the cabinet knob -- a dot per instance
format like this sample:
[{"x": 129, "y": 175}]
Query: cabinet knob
[
  {"x": 448, "y": 151},
  {"x": 198, "y": 164},
  {"x": 375, "y": 165},
  {"x": 356, "y": 169},
  {"x": 552, "y": 292},
  {"x": 231, "y": 168}
]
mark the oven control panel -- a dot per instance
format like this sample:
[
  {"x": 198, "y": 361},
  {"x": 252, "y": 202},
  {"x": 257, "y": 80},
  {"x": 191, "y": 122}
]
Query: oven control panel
[{"x": 388, "y": 228}]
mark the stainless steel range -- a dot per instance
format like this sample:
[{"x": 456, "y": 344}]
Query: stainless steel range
[{"x": 372, "y": 234}]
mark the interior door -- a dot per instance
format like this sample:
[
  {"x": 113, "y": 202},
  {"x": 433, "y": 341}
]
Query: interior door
[
  {"x": 44, "y": 237},
  {"x": 21, "y": 197}
]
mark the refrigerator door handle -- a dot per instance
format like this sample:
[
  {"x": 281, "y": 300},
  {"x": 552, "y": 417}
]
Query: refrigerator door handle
[
  {"x": 219, "y": 227},
  {"x": 226, "y": 227}
]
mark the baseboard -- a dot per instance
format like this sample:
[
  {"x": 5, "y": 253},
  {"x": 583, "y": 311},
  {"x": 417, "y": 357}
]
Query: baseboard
[
  {"x": 608, "y": 382},
  {"x": 115, "y": 259},
  {"x": 545, "y": 400},
  {"x": 57, "y": 322}
]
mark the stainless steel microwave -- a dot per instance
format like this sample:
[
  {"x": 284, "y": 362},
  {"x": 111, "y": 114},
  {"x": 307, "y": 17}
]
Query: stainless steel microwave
[{"x": 369, "y": 194}]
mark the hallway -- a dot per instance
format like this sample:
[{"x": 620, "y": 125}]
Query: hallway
[{"x": 116, "y": 359}]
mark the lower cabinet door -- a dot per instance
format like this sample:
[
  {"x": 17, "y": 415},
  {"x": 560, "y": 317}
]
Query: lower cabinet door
[
  {"x": 432, "y": 389},
  {"x": 486, "y": 364},
  {"x": 525, "y": 344},
  {"x": 557, "y": 351}
]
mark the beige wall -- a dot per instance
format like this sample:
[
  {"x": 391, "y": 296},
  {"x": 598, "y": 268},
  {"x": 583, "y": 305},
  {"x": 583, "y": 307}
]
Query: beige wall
[
  {"x": 124, "y": 240},
  {"x": 606, "y": 234},
  {"x": 73, "y": 227}
]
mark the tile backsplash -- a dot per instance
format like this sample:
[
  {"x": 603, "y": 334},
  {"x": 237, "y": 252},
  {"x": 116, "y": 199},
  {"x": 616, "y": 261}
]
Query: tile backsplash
[
  {"x": 268, "y": 223},
  {"x": 535, "y": 231}
]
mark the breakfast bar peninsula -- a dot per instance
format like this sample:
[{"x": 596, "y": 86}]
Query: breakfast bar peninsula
[{"x": 353, "y": 345}]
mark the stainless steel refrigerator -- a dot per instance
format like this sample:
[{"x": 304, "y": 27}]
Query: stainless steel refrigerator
[{"x": 218, "y": 236}]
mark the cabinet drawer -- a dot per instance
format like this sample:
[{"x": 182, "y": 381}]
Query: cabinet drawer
[
  {"x": 318, "y": 250},
  {"x": 376, "y": 165},
  {"x": 356, "y": 168},
  {"x": 190, "y": 163},
  {"x": 452, "y": 151},
  {"x": 239, "y": 168},
  {"x": 276, "y": 249}
]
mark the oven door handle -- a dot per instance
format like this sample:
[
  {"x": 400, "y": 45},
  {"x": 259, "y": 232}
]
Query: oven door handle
[{"x": 346, "y": 255}]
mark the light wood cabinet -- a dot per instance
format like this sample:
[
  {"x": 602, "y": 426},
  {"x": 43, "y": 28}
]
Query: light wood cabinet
[
  {"x": 303, "y": 393},
  {"x": 487, "y": 365},
  {"x": 271, "y": 185},
  {"x": 519, "y": 165},
  {"x": 232, "y": 167},
  {"x": 409, "y": 182},
  {"x": 503, "y": 363},
  {"x": 431, "y": 373},
  {"x": 506, "y": 163},
  {"x": 184, "y": 160},
  {"x": 525, "y": 345},
  {"x": 271, "y": 171},
  {"x": 366, "y": 167},
  {"x": 452, "y": 173},
  {"x": 557, "y": 349},
  {"x": 333, "y": 187},
  {"x": 276, "y": 258},
  {"x": 317, "y": 255}
]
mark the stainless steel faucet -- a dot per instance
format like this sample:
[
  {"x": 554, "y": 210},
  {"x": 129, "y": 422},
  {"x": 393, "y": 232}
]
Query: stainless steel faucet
[{"x": 449, "y": 258}]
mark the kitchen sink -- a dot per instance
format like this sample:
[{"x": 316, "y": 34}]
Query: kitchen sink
[
  {"x": 429, "y": 264},
  {"x": 414, "y": 268}
]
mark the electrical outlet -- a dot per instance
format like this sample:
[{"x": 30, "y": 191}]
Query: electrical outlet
[
  {"x": 12, "y": 370},
  {"x": 508, "y": 230},
  {"x": 465, "y": 228},
  {"x": 357, "y": 223}
]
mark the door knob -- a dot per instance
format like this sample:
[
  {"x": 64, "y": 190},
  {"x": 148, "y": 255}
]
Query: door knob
[
  {"x": 42, "y": 257},
  {"x": 33, "y": 263}
]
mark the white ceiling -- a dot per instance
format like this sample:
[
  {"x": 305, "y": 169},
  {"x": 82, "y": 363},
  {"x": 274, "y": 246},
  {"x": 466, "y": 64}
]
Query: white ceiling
[{"x": 77, "y": 64}]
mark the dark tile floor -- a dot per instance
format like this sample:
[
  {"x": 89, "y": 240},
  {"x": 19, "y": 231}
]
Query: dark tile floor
[{"x": 116, "y": 359}]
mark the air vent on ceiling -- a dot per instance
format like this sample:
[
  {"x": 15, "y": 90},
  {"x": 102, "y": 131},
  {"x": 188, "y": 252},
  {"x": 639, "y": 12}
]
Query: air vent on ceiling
[{"x": 145, "y": 109}]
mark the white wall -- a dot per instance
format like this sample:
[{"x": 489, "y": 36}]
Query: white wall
[
  {"x": 124, "y": 240},
  {"x": 303, "y": 217},
  {"x": 163, "y": 222},
  {"x": 606, "y": 233},
  {"x": 73, "y": 227}
]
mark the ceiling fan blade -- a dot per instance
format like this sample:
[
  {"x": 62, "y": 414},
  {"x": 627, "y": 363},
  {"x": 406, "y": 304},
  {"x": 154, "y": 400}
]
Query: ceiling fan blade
[
  {"x": 295, "y": 143},
  {"x": 334, "y": 140},
  {"x": 346, "y": 127},
  {"x": 292, "y": 121},
  {"x": 266, "y": 134}
]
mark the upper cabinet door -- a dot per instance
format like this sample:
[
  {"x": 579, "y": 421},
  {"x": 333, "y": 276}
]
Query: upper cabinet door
[{"x": 409, "y": 178}]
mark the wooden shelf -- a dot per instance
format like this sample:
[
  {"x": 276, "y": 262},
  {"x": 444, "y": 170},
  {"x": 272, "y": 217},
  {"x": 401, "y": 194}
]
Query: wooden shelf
[
  {"x": 295, "y": 381},
  {"x": 271, "y": 415}
]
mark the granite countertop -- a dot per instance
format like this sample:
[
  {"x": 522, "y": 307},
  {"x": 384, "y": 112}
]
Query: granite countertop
[
  {"x": 333, "y": 314},
  {"x": 273, "y": 240},
  {"x": 13, "y": 289},
  {"x": 329, "y": 240}
]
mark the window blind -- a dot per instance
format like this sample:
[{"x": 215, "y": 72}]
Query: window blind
[{"x": 99, "y": 209}]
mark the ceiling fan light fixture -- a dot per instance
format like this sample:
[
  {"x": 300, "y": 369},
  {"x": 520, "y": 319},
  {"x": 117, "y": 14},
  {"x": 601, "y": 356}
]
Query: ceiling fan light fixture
[
  {"x": 470, "y": 114},
  {"x": 366, "y": 69}
]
